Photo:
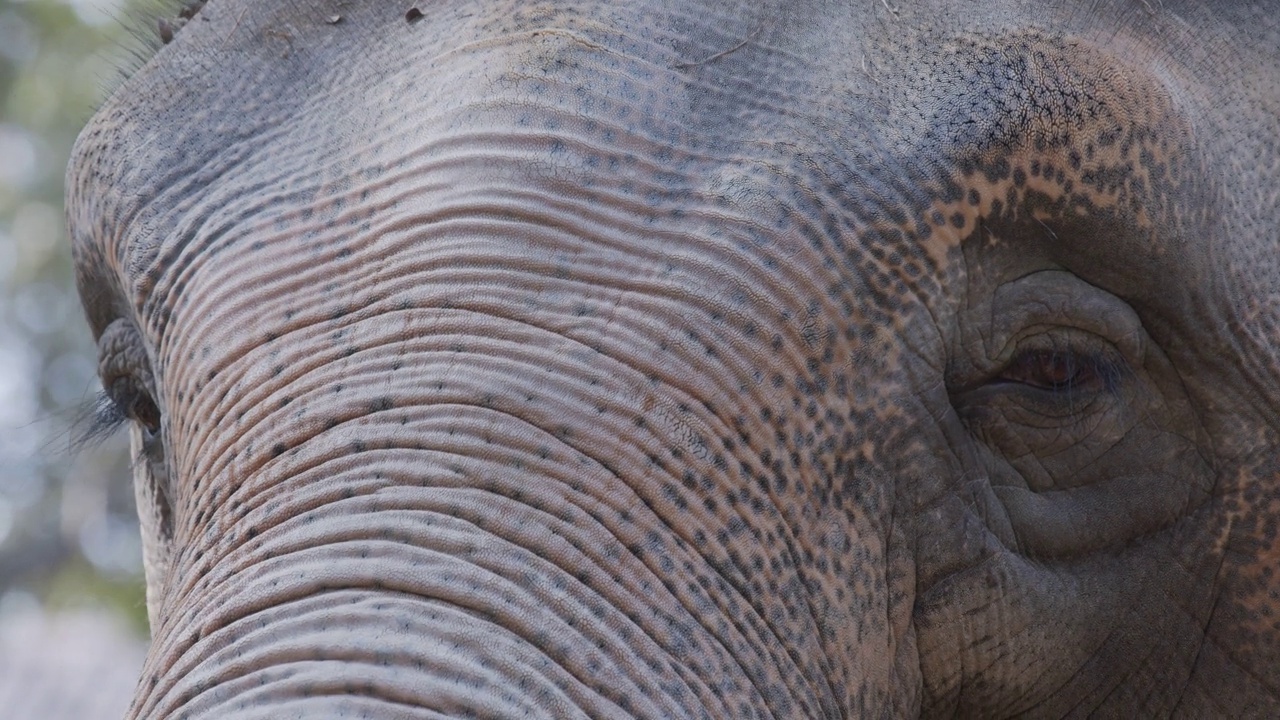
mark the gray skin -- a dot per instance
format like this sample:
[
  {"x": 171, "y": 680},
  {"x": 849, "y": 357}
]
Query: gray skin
[{"x": 699, "y": 359}]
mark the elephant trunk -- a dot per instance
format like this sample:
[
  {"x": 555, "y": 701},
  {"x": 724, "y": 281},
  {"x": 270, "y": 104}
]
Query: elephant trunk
[{"x": 468, "y": 513}]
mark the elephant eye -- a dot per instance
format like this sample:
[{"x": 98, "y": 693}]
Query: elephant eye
[
  {"x": 1054, "y": 370},
  {"x": 1061, "y": 371},
  {"x": 126, "y": 376},
  {"x": 133, "y": 401},
  {"x": 129, "y": 394}
]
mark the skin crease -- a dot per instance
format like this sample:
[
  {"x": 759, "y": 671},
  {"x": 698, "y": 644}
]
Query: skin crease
[{"x": 567, "y": 359}]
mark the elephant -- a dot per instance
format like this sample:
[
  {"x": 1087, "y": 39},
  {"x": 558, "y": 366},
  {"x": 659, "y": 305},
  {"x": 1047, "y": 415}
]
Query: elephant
[{"x": 689, "y": 359}]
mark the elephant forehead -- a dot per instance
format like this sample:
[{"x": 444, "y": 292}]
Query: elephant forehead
[{"x": 923, "y": 121}]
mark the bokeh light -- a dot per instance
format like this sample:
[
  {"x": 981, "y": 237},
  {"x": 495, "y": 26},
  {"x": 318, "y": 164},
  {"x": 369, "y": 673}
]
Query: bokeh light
[{"x": 72, "y": 613}]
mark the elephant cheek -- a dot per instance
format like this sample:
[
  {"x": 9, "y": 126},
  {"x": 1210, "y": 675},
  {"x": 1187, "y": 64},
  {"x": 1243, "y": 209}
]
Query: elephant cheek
[{"x": 1239, "y": 657}]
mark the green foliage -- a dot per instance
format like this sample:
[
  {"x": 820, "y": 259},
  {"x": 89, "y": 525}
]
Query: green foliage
[{"x": 78, "y": 583}]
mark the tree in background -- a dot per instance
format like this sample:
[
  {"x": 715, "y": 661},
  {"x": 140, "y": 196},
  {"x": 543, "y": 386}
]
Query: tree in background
[{"x": 67, "y": 523}]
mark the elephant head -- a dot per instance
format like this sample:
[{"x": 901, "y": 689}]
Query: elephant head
[{"x": 691, "y": 359}]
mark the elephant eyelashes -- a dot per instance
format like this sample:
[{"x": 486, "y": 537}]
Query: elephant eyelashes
[{"x": 96, "y": 421}]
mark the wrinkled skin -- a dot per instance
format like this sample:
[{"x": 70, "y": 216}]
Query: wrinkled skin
[{"x": 681, "y": 360}]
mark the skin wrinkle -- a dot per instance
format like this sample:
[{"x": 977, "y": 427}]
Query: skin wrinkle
[
  {"x": 240, "y": 663},
  {"x": 1116, "y": 681},
  {"x": 1195, "y": 662},
  {"x": 684, "y": 354},
  {"x": 676, "y": 531},
  {"x": 495, "y": 577}
]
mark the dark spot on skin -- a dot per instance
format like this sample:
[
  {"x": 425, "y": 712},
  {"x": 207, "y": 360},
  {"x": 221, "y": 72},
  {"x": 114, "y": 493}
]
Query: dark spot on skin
[
  {"x": 278, "y": 449},
  {"x": 413, "y": 15}
]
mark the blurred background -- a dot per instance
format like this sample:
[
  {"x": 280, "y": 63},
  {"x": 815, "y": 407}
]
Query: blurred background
[{"x": 72, "y": 611}]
